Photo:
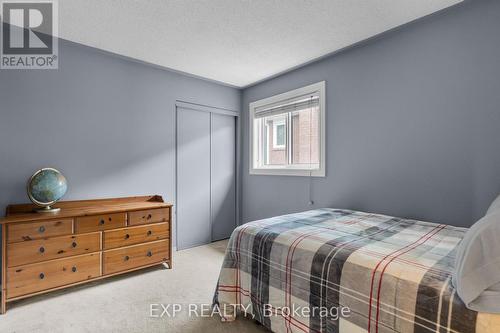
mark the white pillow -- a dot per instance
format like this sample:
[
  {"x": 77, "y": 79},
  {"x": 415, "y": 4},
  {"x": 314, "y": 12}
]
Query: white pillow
[
  {"x": 495, "y": 205},
  {"x": 477, "y": 267}
]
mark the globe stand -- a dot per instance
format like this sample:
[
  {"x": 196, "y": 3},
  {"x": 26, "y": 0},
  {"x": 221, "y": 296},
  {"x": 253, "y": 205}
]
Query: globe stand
[{"x": 48, "y": 209}]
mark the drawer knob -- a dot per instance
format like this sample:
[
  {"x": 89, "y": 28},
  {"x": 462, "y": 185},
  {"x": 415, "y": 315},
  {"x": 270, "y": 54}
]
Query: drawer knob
[
  {"x": 73, "y": 269},
  {"x": 42, "y": 276},
  {"x": 42, "y": 249},
  {"x": 149, "y": 254},
  {"x": 41, "y": 229},
  {"x": 126, "y": 258},
  {"x": 74, "y": 244},
  {"x": 101, "y": 222},
  {"x": 127, "y": 236},
  {"x": 149, "y": 216},
  {"x": 149, "y": 233}
]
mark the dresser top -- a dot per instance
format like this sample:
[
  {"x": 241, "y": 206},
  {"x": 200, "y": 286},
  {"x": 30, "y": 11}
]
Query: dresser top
[{"x": 25, "y": 213}]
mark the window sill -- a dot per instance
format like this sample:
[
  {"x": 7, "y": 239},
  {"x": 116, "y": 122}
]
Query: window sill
[{"x": 287, "y": 172}]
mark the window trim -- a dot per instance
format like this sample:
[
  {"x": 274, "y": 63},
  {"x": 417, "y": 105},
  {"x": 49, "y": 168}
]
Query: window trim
[{"x": 293, "y": 170}]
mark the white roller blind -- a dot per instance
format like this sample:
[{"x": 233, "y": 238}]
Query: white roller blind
[{"x": 295, "y": 104}]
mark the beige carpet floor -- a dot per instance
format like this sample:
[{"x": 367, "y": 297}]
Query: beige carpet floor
[{"x": 122, "y": 304}]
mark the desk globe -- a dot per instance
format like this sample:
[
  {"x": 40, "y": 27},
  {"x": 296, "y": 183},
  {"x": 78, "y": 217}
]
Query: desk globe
[{"x": 45, "y": 188}]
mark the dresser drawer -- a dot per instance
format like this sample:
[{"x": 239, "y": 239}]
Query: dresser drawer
[
  {"x": 149, "y": 216},
  {"x": 37, "y": 277},
  {"x": 36, "y": 230},
  {"x": 100, "y": 222},
  {"x": 135, "y": 235},
  {"x": 135, "y": 256},
  {"x": 22, "y": 253}
]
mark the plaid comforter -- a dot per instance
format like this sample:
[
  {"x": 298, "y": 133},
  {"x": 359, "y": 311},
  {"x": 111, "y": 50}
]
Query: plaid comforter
[{"x": 331, "y": 270}]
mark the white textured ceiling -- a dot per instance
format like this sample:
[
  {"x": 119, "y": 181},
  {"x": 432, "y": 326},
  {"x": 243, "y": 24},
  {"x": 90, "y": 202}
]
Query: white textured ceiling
[{"x": 237, "y": 42}]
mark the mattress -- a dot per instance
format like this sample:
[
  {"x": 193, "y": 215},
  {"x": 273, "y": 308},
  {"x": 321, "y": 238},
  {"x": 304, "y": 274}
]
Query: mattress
[{"x": 334, "y": 270}]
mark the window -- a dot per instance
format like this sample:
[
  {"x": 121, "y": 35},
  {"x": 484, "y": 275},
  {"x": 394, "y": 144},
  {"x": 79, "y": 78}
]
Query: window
[
  {"x": 279, "y": 133},
  {"x": 287, "y": 133}
]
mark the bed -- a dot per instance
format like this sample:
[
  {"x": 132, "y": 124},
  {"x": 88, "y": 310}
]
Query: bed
[{"x": 334, "y": 270}]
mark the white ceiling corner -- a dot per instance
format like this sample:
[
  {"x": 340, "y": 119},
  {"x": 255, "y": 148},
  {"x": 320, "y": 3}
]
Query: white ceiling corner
[{"x": 237, "y": 42}]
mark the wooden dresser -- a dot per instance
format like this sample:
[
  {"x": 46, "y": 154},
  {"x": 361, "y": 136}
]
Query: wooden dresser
[{"x": 85, "y": 241}]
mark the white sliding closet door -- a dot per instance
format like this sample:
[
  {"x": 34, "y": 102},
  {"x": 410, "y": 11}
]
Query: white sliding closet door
[
  {"x": 193, "y": 178},
  {"x": 223, "y": 183},
  {"x": 206, "y": 176}
]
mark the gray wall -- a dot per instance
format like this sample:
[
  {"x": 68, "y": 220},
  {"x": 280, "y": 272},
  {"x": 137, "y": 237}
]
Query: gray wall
[
  {"x": 106, "y": 122},
  {"x": 413, "y": 123}
]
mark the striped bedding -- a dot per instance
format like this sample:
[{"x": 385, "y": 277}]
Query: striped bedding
[{"x": 392, "y": 274}]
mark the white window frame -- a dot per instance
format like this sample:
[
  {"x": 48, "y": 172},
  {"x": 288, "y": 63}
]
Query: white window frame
[{"x": 289, "y": 170}]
